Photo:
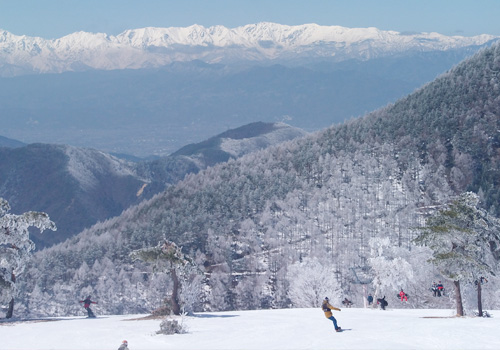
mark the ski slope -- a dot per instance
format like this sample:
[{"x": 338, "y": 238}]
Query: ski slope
[{"x": 263, "y": 329}]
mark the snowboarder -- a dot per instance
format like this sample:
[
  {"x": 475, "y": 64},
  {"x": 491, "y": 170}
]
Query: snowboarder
[
  {"x": 327, "y": 309},
  {"x": 370, "y": 299},
  {"x": 403, "y": 295},
  {"x": 86, "y": 304},
  {"x": 383, "y": 303},
  {"x": 124, "y": 345},
  {"x": 434, "y": 288}
]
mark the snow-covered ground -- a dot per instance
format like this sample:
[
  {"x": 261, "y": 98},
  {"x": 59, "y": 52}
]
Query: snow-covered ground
[{"x": 268, "y": 329}]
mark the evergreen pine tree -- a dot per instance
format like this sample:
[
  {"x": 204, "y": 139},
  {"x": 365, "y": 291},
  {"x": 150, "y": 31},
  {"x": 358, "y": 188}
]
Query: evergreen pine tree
[
  {"x": 166, "y": 256},
  {"x": 465, "y": 241}
]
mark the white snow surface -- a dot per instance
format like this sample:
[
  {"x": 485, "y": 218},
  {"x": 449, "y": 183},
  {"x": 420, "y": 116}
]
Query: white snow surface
[{"x": 263, "y": 329}]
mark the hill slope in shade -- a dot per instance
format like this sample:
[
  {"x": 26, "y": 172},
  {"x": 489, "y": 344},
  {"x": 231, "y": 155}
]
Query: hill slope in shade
[
  {"x": 10, "y": 143},
  {"x": 78, "y": 187}
]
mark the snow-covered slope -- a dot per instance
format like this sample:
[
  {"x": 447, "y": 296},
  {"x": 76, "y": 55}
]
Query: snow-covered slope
[
  {"x": 238, "y": 147},
  {"x": 152, "y": 47},
  {"x": 88, "y": 165},
  {"x": 265, "y": 329}
]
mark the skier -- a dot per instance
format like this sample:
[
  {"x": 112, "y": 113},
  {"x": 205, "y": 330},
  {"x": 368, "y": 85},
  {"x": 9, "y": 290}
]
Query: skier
[
  {"x": 86, "y": 305},
  {"x": 124, "y": 345},
  {"x": 403, "y": 295},
  {"x": 327, "y": 309},
  {"x": 370, "y": 299}
]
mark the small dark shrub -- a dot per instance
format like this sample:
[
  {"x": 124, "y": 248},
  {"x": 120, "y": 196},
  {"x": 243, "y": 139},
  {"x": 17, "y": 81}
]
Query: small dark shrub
[{"x": 171, "y": 326}]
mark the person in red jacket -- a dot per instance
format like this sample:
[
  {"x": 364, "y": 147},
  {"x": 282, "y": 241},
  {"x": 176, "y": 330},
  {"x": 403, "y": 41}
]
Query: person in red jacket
[
  {"x": 403, "y": 295},
  {"x": 86, "y": 304},
  {"x": 440, "y": 289},
  {"x": 124, "y": 345}
]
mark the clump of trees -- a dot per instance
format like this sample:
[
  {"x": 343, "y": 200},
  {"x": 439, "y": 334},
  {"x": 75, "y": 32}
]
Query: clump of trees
[
  {"x": 16, "y": 248},
  {"x": 310, "y": 282}
]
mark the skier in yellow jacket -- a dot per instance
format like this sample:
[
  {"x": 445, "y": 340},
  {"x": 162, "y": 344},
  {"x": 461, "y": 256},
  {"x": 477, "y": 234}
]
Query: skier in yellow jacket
[{"x": 327, "y": 309}]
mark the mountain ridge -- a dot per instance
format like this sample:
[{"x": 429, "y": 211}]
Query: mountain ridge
[
  {"x": 261, "y": 42},
  {"x": 10, "y": 143}
]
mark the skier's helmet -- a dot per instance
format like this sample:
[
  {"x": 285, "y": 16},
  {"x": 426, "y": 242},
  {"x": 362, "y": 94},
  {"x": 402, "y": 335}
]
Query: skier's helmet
[{"x": 124, "y": 342}]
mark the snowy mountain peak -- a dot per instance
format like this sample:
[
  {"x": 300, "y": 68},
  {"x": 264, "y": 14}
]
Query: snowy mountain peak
[
  {"x": 153, "y": 47},
  {"x": 284, "y": 35}
]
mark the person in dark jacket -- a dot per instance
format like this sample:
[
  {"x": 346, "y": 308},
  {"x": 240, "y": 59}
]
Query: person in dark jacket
[
  {"x": 86, "y": 304},
  {"x": 434, "y": 289},
  {"x": 370, "y": 299},
  {"x": 346, "y": 302},
  {"x": 327, "y": 309}
]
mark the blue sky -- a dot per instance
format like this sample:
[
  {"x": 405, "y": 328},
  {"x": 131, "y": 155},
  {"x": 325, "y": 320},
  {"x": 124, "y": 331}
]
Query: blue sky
[{"x": 56, "y": 18}]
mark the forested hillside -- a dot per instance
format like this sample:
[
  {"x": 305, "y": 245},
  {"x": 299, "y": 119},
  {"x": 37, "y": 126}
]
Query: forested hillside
[
  {"x": 266, "y": 229},
  {"x": 78, "y": 187}
]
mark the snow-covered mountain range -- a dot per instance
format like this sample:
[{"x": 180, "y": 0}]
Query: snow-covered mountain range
[{"x": 153, "y": 47}]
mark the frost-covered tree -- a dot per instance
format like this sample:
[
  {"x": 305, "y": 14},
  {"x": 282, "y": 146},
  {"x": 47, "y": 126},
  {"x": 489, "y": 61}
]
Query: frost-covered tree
[
  {"x": 465, "y": 241},
  {"x": 16, "y": 247},
  {"x": 168, "y": 257},
  {"x": 310, "y": 282},
  {"x": 390, "y": 270}
]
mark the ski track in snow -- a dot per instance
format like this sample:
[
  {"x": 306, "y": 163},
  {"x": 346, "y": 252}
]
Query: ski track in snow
[{"x": 264, "y": 329}]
